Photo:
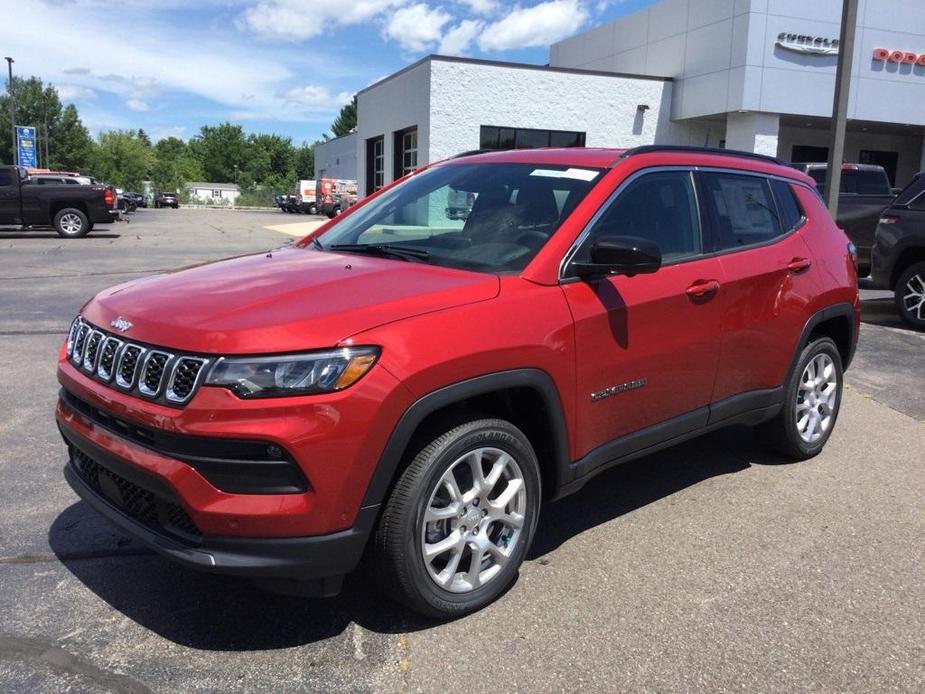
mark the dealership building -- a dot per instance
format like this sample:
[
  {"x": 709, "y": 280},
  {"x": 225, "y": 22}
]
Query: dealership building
[{"x": 754, "y": 75}]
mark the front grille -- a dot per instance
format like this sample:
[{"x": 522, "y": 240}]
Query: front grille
[
  {"x": 92, "y": 350},
  {"x": 153, "y": 373},
  {"x": 108, "y": 358},
  {"x": 152, "y": 511},
  {"x": 135, "y": 368},
  {"x": 184, "y": 378}
]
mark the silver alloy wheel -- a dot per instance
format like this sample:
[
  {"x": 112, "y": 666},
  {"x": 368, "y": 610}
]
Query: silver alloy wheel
[
  {"x": 816, "y": 398},
  {"x": 914, "y": 299},
  {"x": 71, "y": 224},
  {"x": 473, "y": 520}
]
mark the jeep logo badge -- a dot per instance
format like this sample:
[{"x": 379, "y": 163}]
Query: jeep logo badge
[{"x": 121, "y": 324}]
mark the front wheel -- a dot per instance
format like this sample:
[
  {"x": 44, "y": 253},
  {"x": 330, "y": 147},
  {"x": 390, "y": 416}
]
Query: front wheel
[
  {"x": 71, "y": 223},
  {"x": 460, "y": 520},
  {"x": 812, "y": 398},
  {"x": 910, "y": 296}
]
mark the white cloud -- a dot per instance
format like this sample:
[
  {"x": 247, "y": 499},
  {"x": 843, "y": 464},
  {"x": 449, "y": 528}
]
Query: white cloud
[
  {"x": 314, "y": 97},
  {"x": 457, "y": 40},
  {"x": 417, "y": 27},
  {"x": 74, "y": 92},
  {"x": 137, "y": 105},
  {"x": 540, "y": 25},
  {"x": 297, "y": 20},
  {"x": 482, "y": 6}
]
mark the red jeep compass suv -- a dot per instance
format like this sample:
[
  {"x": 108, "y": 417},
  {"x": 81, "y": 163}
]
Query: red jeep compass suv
[{"x": 413, "y": 380}]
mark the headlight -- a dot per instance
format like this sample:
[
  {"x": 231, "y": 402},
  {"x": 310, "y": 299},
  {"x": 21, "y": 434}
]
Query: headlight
[{"x": 296, "y": 374}]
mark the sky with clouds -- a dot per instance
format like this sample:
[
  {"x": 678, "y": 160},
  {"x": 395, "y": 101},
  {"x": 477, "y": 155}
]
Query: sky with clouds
[{"x": 282, "y": 66}]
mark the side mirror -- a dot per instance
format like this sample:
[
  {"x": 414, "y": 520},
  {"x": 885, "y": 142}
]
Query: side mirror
[{"x": 620, "y": 255}]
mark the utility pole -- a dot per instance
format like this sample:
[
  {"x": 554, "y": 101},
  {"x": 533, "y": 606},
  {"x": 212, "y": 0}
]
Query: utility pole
[
  {"x": 15, "y": 149},
  {"x": 849, "y": 20}
]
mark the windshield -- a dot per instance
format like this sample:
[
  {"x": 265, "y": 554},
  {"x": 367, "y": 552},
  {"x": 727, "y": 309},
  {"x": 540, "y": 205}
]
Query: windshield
[{"x": 485, "y": 217}]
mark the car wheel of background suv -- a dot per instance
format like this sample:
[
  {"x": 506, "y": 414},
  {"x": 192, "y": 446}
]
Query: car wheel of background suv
[
  {"x": 458, "y": 523},
  {"x": 71, "y": 223},
  {"x": 812, "y": 397},
  {"x": 910, "y": 296}
]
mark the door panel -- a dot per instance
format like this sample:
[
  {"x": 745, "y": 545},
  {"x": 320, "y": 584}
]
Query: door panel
[
  {"x": 767, "y": 284},
  {"x": 644, "y": 328},
  {"x": 9, "y": 196}
]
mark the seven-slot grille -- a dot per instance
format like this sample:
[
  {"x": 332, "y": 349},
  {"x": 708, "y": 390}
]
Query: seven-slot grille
[{"x": 139, "y": 369}]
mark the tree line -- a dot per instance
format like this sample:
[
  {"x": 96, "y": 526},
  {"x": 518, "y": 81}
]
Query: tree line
[{"x": 260, "y": 164}]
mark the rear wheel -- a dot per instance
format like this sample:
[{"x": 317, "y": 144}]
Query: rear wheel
[
  {"x": 812, "y": 398},
  {"x": 71, "y": 223},
  {"x": 458, "y": 523},
  {"x": 910, "y": 296}
]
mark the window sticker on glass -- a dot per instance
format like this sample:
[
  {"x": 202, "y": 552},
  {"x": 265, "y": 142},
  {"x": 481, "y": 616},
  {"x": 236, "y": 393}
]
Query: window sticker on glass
[{"x": 577, "y": 174}]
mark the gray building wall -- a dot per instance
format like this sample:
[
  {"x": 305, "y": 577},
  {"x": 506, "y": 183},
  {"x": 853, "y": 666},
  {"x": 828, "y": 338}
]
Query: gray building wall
[{"x": 337, "y": 158}]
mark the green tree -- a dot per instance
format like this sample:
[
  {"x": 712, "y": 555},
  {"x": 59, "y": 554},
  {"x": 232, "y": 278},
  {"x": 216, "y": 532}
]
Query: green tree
[
  {"x": 143, "y": 136},
  {"x": 346, "y": 120},
  {"x": 123, "y": 159},
  {"x": 221, "y": 151},
  {"x": 305, "y": 162},
  {"x": 69, "y": 143},
  {"x": 174, "y": 165},
  {"x": 268, "y": 156}
]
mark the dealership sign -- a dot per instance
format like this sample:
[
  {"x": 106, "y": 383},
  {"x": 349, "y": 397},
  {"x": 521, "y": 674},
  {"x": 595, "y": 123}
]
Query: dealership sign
[
  {"x": 884, "y": 54},
  {"x": 25, "y": 144},
  {"x": 808, "y": 45}
]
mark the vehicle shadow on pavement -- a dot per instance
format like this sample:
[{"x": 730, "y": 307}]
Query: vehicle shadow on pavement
[
  {"x": 4, "y": 235},
  {"x": 642, "y": 481},
  {"x": 211, "y": 612}
]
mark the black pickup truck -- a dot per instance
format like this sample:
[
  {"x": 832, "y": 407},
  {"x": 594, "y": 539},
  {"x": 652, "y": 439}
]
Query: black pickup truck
[
  {"x": 865, "y": 193},
  {"x": 71, "y": 209}
]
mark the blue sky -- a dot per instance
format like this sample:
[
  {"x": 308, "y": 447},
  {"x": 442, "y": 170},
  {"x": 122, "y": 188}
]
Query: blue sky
[{"x": 281, "y": 66}]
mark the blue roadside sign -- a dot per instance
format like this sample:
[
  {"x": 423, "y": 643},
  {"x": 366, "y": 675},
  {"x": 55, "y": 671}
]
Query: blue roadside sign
[{"x": 25, "y": 144}]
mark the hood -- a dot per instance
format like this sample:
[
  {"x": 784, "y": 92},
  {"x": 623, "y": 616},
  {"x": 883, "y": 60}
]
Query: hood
[{"x": 289, "y": 300}]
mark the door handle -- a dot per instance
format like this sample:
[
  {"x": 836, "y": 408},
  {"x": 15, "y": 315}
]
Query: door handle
[
  {"x": 799, "y": 264},
  {"x": 702, "y": 288}
]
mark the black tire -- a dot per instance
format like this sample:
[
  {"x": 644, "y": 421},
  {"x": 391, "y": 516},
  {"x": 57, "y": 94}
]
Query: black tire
[
  {"x": 71, "y": 223},
  {"x": 782, "y": 434},
  {"x": 911, "y": 281},
  {"x": 313, "y": 209},
  {"x": 397, "y": 547}
]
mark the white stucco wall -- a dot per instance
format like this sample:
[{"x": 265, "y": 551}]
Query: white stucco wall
[
  {"x": 466, "y": 95},
  {"x": 227, "y": 196},
  {"x": 396, "y": 103},
  {"x": 337, "y": 158}
]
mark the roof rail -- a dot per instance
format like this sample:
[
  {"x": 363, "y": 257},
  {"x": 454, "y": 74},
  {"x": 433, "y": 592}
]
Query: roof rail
[
  {"x": 646, "y": 149},
  {"x": 473, "y": 152}
]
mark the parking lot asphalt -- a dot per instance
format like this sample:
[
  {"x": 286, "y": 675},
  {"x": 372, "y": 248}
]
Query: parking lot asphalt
[{"x": 709, "y": 567}]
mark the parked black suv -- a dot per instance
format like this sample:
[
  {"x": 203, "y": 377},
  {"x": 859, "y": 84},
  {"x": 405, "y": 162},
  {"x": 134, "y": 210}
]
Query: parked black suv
[
  {"x": 898, "y": 258},
  {"x": 865, "y": 193},
  {"x": 163, "y": 199}
]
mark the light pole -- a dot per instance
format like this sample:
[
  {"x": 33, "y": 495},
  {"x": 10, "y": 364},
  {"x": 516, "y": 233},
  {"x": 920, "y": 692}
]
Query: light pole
[
  {"x": 14, "y": 148},
  {"x": 849, "y": 17}
]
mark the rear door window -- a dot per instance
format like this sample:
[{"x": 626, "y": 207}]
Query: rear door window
[
  {"x": 873, "y": 182},
  {"x": 741, "y": 210}
]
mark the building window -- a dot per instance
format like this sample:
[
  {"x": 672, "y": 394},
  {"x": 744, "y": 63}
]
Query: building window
[
  {"x": 216, "y": 193},
  {"x": 406, "y": 152},
  {"x": 888, "y": 160},
  {"x": 496, "y": 137},
  {"x": 808, "y": 154},
  {"x": 375, "y": 164}
]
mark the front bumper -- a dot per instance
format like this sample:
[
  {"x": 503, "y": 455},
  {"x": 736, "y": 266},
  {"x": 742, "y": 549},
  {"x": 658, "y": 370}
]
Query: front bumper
[{"x": 145, "y": 508}]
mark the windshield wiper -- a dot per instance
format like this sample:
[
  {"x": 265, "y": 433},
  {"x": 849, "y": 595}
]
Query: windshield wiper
[{"x": 382, "y": 249}]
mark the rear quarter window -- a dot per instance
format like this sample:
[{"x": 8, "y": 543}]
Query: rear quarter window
[{"x": 791, "y": 214}]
